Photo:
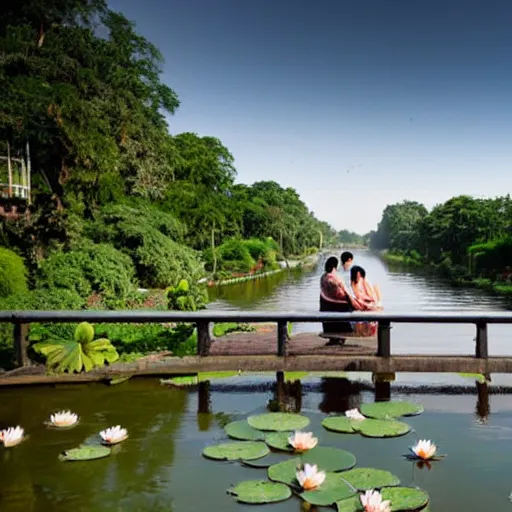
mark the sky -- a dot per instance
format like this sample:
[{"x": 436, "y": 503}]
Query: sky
[{"x": 354, "y": 103}]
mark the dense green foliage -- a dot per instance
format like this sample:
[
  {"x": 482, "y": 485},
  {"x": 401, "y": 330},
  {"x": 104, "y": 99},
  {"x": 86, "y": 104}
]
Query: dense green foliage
[
  {"x": 465, "y": 236},
  {"x": 13, "y": 274},
  {"x": 118, "y": 202}
]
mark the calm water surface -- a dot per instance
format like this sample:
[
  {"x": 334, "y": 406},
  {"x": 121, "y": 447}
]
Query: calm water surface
[
  {"x": 160, "y": 468},
  {"x": 402, "y": 291}
]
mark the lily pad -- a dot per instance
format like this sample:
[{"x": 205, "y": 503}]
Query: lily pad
[
  {"x": 341, "y": 424},
  {"x": 332, "y": 490},
  {"x": 278, "y": 421},
  {"x": 267, "y": 461},
  {"x": 85, "y": 452},
  {"x": 352, "y": 504},
  {"x": 327, "y": 459},
  {"x": 364, "y": 479},
  {"x": 242, "y": 431},
  {"x": 383, "y": 428},
  {"x": 385, "y": 410},
  {"x": 405, "y": 498},
  {"x": 279, "y": 441},
  {"x": 247, "y": 450},
  {"x": 260, "y": 491}
]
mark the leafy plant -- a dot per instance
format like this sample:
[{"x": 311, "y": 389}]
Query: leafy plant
[
  {"x": 81, "y": 353},
  {"x": 13, "y": 274},
  {"x": 184, "y": 298}
]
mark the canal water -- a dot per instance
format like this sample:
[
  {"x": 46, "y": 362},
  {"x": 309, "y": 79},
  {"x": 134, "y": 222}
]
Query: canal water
[
  {"x": 403, "y": 289},
  {"x": 159, "y": 468}
]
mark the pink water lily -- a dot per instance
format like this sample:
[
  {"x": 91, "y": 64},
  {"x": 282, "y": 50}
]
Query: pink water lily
[
  {"x": 302, "y": 441},
  {"x": 354, "y": 414},
  {"x": 372, "y": 502},
  {"x": 12, "y": 436},
  {"x": 310, "y": 478},
  {"x": 424, "y": 449},
  {"x": 114, "y": 435}
]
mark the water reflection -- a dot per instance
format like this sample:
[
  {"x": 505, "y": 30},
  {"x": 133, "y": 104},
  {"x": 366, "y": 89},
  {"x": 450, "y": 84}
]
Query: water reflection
[
  {"x": 483, "y": 408},
  {"x": 339, "y": 395},
  {"x": 287, "y": 395}
]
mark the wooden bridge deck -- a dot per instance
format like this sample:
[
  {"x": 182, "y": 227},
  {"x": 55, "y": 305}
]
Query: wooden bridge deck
[{"x": 263, "y": 342}]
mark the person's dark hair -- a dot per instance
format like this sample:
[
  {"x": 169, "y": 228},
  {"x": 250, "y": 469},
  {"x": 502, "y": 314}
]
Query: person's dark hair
[
  {"x": 353, "y": 273},
  {"x": 331, "y": 264},
  {"x": 345, "y": 256}
]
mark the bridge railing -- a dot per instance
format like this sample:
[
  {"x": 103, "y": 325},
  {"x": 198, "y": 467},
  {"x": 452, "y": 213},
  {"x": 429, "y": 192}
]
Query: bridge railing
[{"x": 203, "y": 319}]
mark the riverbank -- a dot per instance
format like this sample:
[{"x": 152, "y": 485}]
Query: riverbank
[
  {"x": 305, "y": 262},
  {"x": 456, "y": 275}
]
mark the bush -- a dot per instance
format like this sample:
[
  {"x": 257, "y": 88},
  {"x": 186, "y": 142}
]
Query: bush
[
  {"x": 13, "y": 274},
  {"x": 491, "y": 256},
  {"x": 96, "y": 268},
  {"x": 149, "y": 237},
  {"x": 52, "y": 299}
]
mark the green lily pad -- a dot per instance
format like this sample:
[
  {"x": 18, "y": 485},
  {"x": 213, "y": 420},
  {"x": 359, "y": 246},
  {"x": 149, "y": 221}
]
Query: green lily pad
[
  {"x": 260, "y": 491},
  {"x": 364, "y": 479},
  {"x": 327, "y": 459},
  {"x": 341, "y": 424},
  {"x": 267, "y": 461},
  {"x": 247, "y": 450},
  {"x": 85, "y": 452},
  {"x": 242, "y": 431},
  {"x": 352, "y": 504},
  {"x": 405, "y": 498},
  {"x": 278, "y": 421},
  {"x": 279, "y": 441},
  {"x": 332, "y": 490},
  {"x": 383, "y": 428},
  {"x": 385, "y": 410}
]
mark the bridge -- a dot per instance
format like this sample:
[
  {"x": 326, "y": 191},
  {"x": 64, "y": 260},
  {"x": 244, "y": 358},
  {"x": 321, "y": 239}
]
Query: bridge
[{"x": 288, "y": 353}]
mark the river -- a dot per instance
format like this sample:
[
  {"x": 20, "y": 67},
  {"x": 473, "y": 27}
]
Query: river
[{"x": 404, "y": 290}]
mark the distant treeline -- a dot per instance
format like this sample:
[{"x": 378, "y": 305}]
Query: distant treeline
[{"x": 469, "y": 236}]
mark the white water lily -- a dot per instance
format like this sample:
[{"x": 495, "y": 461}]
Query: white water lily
[
  {"x": 114, "y": 435},
  {"x": 310, "y": 478},
  {"x": 63, "y": 419},
  {"x": 372, "y": 502},
  {"x": 12, "y": 436},
  {"x": 302, "y": 441},
  {"x": 354, "y": 414},
  {"x": 424, "y": 449}
]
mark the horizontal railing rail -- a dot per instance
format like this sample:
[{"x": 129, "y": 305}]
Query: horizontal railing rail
[
  {"x": 203, "y": 319},
  {"x": 130, "y": 316}
]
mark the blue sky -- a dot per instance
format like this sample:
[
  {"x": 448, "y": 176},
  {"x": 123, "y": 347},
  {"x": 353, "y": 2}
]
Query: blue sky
[{"x": 356, "y": 104}]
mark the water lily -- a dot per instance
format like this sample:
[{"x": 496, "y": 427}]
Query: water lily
[
  {"x": 63, "y": 419},
  {"x": 372, "y": 502},
  {"x": 424, "y": 449},
  {"x": 302, "y": 441},
  {"x": 354, "y": 414},
  {"x": 12, "y": 436},
  {"x": 114, "y": 435},
  {"x": 310, "y": 478}
]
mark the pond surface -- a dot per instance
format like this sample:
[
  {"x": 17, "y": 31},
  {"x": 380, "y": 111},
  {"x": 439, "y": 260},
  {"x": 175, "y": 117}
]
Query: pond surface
[
  {"x": 403, "y": 290},
  {"x": 160, "y": 467}
]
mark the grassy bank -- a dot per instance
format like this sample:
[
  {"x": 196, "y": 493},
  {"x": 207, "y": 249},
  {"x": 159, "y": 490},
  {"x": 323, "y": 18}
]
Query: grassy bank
[
  {"x": 456, "y": 274},
  {"x": 410, "y": 259}
]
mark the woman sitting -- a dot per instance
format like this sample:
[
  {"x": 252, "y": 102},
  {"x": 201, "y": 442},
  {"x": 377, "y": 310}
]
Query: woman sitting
[
  {"x": 363, "y": 290},
  {"x": 369, "y": 296}
]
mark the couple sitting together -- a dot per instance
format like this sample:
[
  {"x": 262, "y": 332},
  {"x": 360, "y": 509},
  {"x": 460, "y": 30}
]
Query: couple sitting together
[{"x": 346, "y": 291}]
